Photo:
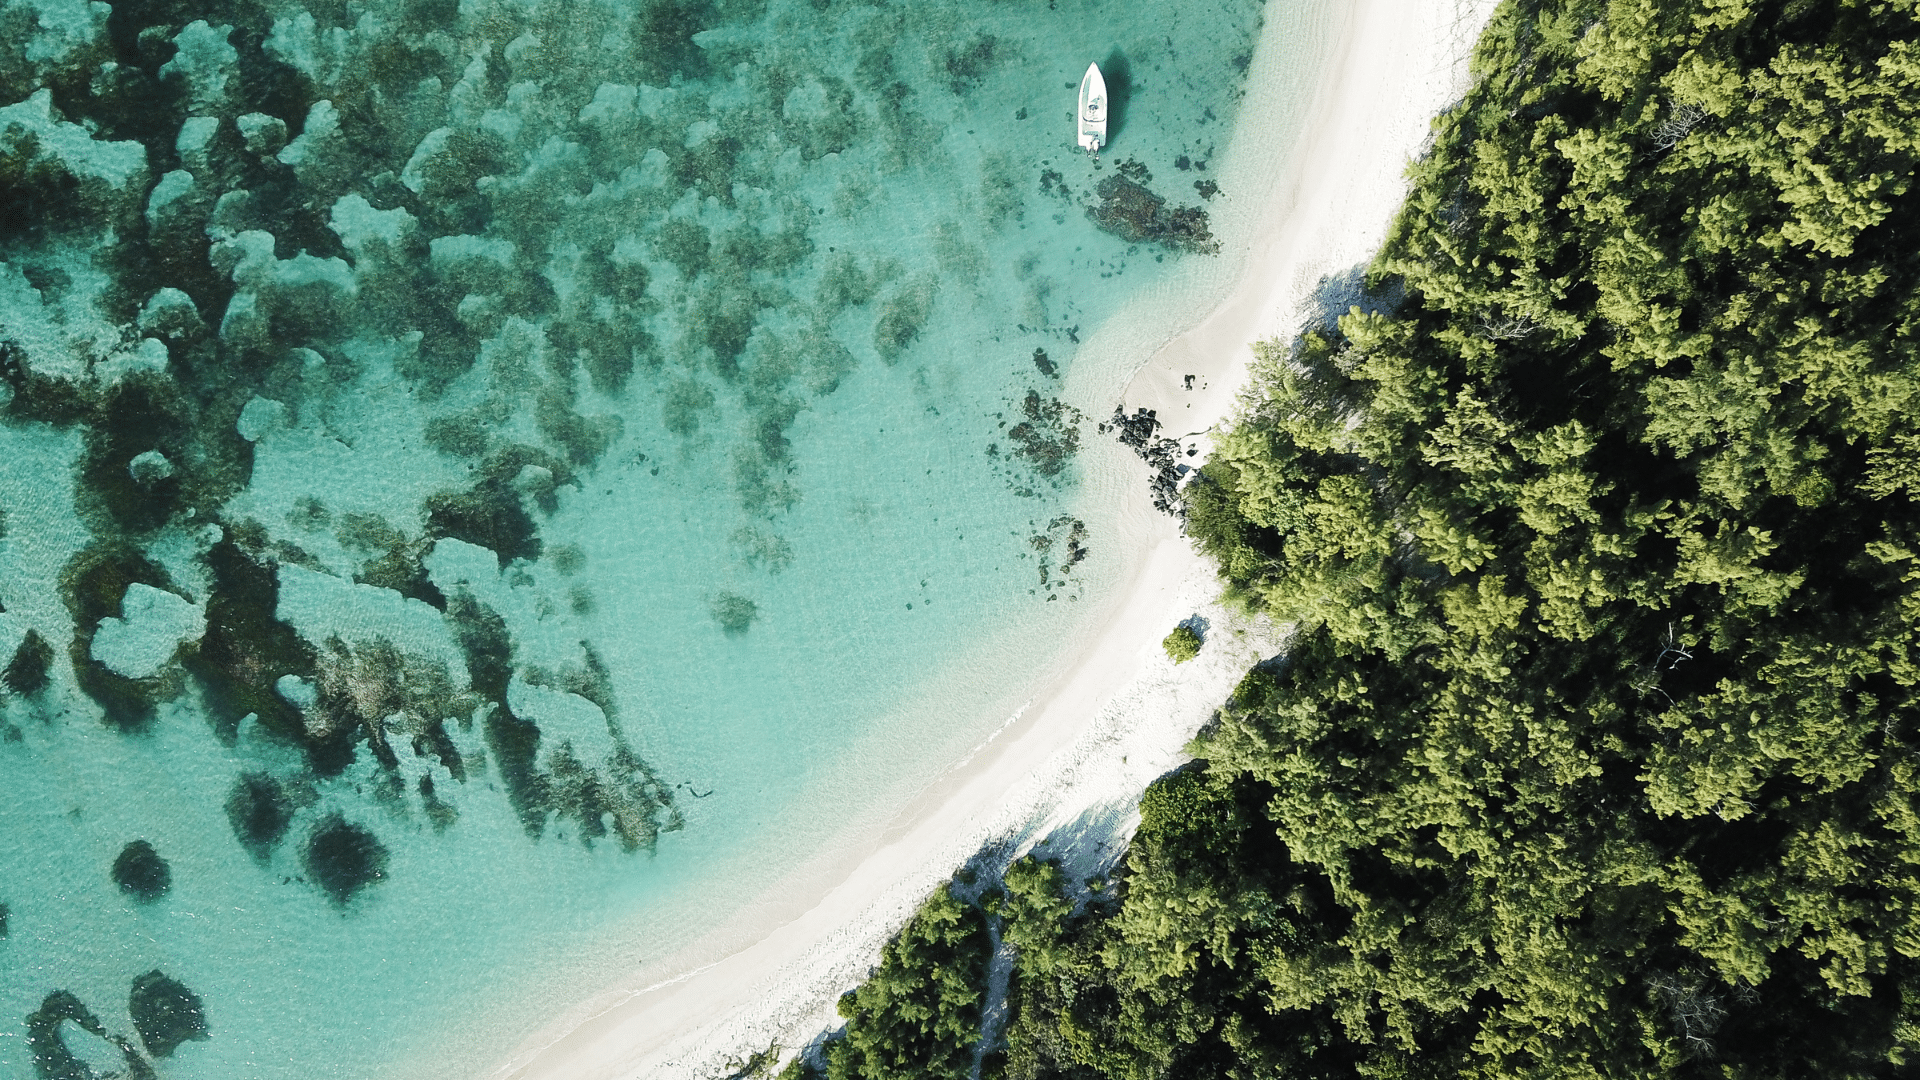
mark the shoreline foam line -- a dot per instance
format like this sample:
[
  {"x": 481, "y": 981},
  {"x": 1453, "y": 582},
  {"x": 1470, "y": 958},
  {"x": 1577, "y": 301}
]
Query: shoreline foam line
[{"x": 1117, "y": 715}]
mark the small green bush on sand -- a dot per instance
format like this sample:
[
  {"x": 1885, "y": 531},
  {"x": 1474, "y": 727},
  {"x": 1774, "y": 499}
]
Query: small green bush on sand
[{"x": 1182, "y": 645}]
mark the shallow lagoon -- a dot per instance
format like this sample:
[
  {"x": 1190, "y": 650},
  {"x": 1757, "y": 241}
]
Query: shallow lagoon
[{"x": 601, "y": 451}]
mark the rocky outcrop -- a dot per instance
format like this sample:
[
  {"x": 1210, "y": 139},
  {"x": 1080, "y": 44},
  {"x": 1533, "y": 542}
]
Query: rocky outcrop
[
  {"x": 165, "y": 1013},
  {"x": 1132, "y": 212}
]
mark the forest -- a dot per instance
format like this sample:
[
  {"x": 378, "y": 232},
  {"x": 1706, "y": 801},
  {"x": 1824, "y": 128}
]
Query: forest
[{"x": 1593, "y": 752}]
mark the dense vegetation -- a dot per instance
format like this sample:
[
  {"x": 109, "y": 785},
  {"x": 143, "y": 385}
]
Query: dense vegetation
[
  {"x": 918, "y": 1014},
  {"x": 1594, "y": 754}
]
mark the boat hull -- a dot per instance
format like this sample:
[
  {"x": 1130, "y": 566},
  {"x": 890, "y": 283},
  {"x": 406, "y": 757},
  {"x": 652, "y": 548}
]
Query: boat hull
[{"x": 1093, "y": 110}]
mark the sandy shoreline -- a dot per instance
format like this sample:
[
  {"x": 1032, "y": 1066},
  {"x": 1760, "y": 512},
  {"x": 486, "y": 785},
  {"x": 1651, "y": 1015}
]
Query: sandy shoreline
[{"x": 1117, "y": 714}]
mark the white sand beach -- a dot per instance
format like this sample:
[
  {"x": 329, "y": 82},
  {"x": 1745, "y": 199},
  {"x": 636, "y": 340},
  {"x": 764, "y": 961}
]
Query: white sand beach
[{"x": 1118, "y": 713}]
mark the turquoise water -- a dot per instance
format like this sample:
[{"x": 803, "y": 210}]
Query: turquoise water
[{"x": 487, "y": 484}]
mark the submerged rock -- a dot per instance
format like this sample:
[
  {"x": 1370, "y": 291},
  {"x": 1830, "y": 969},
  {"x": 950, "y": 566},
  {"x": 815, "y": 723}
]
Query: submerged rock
[
  {"x": 28, "y": 672},
  {"x": 54, "y": 1060},
  {"x": 487, "y": 515},
  {"x": 1049, "y": 436},
  {"x": 141, "y": 873},
  {"x": 165, "y": 1013},
  {"x": 734, "y": 613},
  {"x": 343, "y": 858},
  {"x": 260, "y": 812},
  {"x": 1135, "y": 214},
  {"x": 901, "y": 320}
]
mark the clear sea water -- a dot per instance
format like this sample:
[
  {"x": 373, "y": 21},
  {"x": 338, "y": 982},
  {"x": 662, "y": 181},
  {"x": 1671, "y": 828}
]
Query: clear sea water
[{"x": 683, "y": 354}]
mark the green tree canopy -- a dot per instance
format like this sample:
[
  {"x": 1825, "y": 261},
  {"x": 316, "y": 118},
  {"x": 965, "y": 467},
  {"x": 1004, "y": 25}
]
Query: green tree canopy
[{"x": 1594, "y": 754}]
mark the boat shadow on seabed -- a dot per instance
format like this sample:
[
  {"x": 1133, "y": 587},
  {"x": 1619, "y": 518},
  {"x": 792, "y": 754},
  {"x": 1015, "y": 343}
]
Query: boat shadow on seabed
[{"x": 1118, "y": 74}]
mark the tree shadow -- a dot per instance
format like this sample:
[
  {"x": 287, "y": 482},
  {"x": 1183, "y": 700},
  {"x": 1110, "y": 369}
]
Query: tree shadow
[
  {"x": 1119, "y": 76},
  {"x": 1198, "y": 625},
  {"x": 1336, "y": 294},
  {"x": 1089, "y": 845}
]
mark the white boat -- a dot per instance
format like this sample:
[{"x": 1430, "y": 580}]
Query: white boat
[{"x": 1093, "y": 110}]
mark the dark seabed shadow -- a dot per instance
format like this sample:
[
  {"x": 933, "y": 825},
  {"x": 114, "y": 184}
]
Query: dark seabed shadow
[{"x": 1119, "y": 76}]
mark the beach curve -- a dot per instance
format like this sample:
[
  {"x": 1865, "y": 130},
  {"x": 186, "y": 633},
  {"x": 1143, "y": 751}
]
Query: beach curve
[{"x": 1117, "y": 713}]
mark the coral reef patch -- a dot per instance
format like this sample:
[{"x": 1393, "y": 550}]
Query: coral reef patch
[
  {"x": 53, "y": 1059},
  {"x": 1131, "y": 211},
  {"x": 260, "y": 813},
  {"x": 1049, "y": 436},
  {"x": 734, "y": 613},
  {"x": 165, "y": 1013},
  {"x": 28, "y": 672},
  {"x": 1060, "y": 546},
  {"x": 343, "y": 858},
  {"x": 1041, "y": 439},
  {"x": 141, "y": 873}
]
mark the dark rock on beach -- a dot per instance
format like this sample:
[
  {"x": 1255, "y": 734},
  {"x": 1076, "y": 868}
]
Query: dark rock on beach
[{"x": 1139, "y": 433}]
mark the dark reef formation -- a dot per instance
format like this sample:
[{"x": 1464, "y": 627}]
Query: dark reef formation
[
  {"x": 343, "y": 858},
  {"x": 1064, "y": 539},
  {"x": 93, "y": 584},
  {"x": 553, "y": 781},
  {"x": 141, "y": 873},
  {"x": 54, "y": 1060},
  {"x": 247, "y": 649},
  {"x": 968, "y": 62},
  {"x": 1041, "y": 443},
  {"x": 165, "y": 1013},
  {"x": 389, "y": 700},
  {"x": 260, "y": 813},
  {"x": 1132, "y": 212},
  {"x": 1049, "y": 436},
  {"x": 902, "y": 317},
  {"x": 734, "y": 613},
  {"x": 27, "y": 674}
]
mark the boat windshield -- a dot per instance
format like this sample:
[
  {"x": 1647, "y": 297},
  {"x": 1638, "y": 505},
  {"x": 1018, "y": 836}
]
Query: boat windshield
[{"x": 1096, "y": 108}]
